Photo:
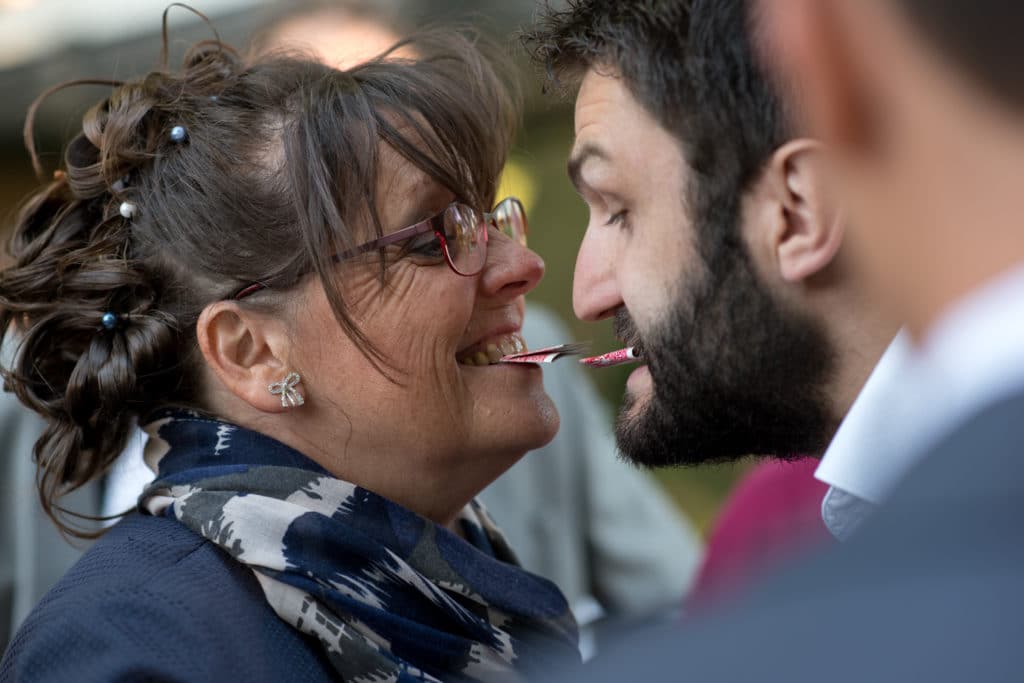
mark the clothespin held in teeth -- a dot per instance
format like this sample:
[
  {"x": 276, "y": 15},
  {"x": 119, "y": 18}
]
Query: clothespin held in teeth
[
  {"x": 630, "y": 354},
  {"x": 546, "y": 355}
]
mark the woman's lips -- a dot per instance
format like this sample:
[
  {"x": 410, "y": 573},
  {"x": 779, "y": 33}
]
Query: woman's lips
[{"x": 492, "y": 350}]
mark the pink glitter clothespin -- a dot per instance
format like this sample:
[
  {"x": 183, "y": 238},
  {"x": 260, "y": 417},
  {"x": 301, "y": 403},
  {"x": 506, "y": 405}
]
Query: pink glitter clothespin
[
  {"x": 629, "y": 354},
  {"x": 546, "y": 355}
]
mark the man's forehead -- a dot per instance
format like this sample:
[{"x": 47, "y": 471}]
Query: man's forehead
[
  {"x": 607, "y": 111},
  {"x": 595, "y": 119},
  {"x": 599, "y": 96},
  {"x": 614, "y": 130},
  {"x": 609, "y": 121}
]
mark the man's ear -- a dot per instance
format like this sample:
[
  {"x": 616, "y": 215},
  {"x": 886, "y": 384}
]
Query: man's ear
[
  {"x": 807, "y": 230},
  {"x": 246, "y": 352}
]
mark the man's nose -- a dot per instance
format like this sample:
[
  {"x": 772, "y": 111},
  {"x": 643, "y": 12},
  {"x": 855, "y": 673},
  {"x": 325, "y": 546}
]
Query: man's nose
[{"x": 595, "y": 291}]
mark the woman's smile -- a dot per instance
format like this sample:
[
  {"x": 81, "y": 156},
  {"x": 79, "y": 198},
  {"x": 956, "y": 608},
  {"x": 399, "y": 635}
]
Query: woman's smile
[{"x": 492, "y": 349}]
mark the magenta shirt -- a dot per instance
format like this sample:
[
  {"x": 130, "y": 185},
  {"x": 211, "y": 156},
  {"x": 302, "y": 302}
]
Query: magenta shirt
[{"x": 772, "y": 515}]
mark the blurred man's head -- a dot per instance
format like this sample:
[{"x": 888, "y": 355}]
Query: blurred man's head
[
  {"x": 923, "y": 102},
  {"x": 339, "y": 34},
  {"x": 710, "y": 238}
]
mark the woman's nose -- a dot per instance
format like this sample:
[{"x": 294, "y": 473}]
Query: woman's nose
[{"x": 511, "y": 269}]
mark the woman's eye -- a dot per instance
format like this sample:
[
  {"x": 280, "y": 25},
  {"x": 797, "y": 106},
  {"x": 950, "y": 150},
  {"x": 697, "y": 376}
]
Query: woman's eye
[{"x": 426, "y": 246}]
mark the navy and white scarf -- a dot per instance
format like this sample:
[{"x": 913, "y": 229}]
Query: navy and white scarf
[{"x": 390, "y": 595}]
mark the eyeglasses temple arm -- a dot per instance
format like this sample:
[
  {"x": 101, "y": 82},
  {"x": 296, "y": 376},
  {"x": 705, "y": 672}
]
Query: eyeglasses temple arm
[{"x": 386, "y": 240}]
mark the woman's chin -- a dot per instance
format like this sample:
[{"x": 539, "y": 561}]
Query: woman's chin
[
  {"x": 546, "y": 422},
  {"x": 511, "y": 398}
]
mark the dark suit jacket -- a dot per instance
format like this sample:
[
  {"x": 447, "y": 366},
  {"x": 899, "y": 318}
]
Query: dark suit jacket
[
  {"x": 153, "y": 601},
  {"x": 931, "y": 589}
]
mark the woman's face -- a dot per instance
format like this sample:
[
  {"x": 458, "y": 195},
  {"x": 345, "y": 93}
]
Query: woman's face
[{"x": 450, "y": 426}]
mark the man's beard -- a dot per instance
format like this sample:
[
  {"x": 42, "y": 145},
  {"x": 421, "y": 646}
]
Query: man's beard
[{"x": 735, "y": 373}]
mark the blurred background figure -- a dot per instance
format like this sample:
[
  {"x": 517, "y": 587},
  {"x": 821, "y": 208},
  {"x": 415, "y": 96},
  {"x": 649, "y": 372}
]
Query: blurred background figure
[
  {"x": 34, "y": 554},
  {"x": 572, "y": 511}
]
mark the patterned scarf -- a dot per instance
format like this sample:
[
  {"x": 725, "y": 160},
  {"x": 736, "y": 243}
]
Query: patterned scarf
[{"x": 390, "y": 595}]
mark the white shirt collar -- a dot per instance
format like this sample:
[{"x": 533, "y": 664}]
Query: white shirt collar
[
  {"x": 973, "y": 356},
  {"x": 856, "y": 460}
]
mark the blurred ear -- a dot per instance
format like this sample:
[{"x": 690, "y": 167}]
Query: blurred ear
[
  {"x": 807, "y": 230},
  {"x": 245, "y": 351}
]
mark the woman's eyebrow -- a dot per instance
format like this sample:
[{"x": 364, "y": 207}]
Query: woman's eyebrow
[{"x": 431, "y": 199}]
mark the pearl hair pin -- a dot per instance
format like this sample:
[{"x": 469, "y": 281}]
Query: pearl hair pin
[
  {"x": 109, "y": 320},
  {"x": 179, "y": 134},
  {"x": 128, "y": 210}
]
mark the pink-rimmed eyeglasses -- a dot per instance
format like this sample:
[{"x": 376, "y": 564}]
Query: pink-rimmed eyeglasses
[{"x": 459, "y": 233}]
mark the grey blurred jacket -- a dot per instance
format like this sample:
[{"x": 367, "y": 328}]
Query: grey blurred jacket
[
  {"x": 34, "y": 554},
  {"x": 579, "y": 516}
]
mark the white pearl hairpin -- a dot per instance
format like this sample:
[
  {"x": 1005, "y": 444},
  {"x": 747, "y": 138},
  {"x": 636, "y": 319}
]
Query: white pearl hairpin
[{"x": 128, "y": 209}]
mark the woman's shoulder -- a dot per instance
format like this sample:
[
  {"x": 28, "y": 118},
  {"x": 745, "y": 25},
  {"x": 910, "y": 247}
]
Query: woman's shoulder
[{"x": 153, "y": 600}]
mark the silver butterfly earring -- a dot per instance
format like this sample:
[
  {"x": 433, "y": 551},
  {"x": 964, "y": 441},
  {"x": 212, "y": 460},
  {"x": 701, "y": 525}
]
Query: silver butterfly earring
[{"x": 290, "y": 396}]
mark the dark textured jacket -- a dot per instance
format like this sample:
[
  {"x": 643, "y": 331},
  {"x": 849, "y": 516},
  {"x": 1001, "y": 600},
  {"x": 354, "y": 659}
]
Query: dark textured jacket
[{"x": 153, "y": 601}]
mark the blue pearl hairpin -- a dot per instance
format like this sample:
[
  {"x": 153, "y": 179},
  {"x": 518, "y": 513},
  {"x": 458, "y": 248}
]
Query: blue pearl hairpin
[
  {"x": 179, "y": 134},
  {"x": 109, "y": 320}
]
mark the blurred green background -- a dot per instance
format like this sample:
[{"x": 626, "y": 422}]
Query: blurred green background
[{"x": 43, "y": 42}]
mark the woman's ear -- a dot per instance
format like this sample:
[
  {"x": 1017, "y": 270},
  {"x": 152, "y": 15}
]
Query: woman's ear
[
  {"x": 246, "y": 352},
  {"x": 808, "y": 230}
]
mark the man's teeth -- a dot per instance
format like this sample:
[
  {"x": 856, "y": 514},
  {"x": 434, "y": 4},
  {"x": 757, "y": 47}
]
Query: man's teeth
[{"x": 493, "y": 350}]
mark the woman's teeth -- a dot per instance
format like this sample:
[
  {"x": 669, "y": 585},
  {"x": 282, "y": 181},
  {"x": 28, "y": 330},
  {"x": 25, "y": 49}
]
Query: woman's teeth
[{"x": 493, "y": 350}]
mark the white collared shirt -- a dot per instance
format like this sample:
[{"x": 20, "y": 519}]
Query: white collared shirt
[
  {"x": 127, "y": 477},
  {"x": 972, "y": 357},
  {"x": 856, "y": 461}
]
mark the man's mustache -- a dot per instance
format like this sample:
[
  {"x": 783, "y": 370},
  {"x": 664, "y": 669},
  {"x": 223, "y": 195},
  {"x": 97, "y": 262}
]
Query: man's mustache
[{"x": 625, "y": 329}]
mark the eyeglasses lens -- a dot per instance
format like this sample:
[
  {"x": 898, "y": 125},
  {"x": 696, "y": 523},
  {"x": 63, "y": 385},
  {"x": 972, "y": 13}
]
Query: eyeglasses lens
[
  {"x": 467, "y": 239},
  {"x": 511, "y": 220}
]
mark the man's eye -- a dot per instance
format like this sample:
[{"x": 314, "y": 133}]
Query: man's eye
[{"x": 618, "y": 218}]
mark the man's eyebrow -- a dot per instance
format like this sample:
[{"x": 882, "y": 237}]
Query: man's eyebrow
[{"x": 580, "y": 157}]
